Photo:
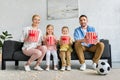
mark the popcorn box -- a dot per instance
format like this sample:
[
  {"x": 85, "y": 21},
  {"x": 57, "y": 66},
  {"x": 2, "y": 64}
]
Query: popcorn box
[
  {"x": 33, "y": 35},
  {"x": 50, "y": 40},
  {"x": 91, "y": 37},
  {"x": 65, "y": 39}
]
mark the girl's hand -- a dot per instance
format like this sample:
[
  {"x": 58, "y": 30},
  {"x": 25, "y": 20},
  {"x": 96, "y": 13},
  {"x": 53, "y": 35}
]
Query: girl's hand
[{"x": 57, "y": 42}]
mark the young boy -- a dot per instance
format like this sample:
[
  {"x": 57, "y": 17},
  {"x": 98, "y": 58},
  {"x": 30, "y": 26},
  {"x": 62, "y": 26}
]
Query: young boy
[{"x": 65, "y": 48}]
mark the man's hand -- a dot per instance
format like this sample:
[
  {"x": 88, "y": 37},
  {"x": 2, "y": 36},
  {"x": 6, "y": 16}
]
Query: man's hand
[
  {"x": 86, "y": 40},
  {"x": 82, "y": 40},
  {"x": 95, "y": 42}
]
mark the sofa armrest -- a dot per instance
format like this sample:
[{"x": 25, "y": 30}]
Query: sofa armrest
[
  {"x": 107, "y": 49},
  {"x": 9, "y": 48}
]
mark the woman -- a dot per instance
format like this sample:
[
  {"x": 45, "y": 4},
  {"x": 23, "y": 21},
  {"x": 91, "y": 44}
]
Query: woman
[{"x": 32, "y": 38}]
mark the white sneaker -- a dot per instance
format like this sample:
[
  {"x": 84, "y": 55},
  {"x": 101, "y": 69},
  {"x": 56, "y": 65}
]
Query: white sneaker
[
  {"x": 68, "y": 68},
  {"x": 94, "y": 66},
  {"x": 63, "y": 68},
  {"x": 27, "y": 68},
  {"x": 83, "y": 67},
  {"x": 38, "y": 68},
  {"x": 55, "y": 68},
  {"x": 47, "y": 69}
]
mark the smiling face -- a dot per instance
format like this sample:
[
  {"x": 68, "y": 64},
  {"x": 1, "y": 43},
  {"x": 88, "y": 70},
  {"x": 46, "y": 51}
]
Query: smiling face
[
  {"x": 36, "y": 20},
  {"x": 50, "y": 30},
  {"x": 65, "y": 31},
  {"x": 83, "y": 21}
]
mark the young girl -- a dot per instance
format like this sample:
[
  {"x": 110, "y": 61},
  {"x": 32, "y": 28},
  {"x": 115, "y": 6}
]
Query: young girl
[
  {"x": 31, "y": 36},
  {"x": 50, "y": 41},
  {"x": 65, "y": 48}
]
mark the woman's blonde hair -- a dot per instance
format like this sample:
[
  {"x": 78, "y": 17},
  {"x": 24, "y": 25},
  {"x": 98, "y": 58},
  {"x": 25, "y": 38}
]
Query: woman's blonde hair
[{"x": 35, "y": 15}]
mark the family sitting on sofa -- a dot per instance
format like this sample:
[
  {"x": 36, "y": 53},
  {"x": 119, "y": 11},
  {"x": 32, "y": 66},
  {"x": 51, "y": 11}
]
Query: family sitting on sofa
[{"x": 85, "y": 40}]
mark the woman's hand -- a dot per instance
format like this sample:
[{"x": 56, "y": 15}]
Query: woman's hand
[{"x": 26, "y": 40}]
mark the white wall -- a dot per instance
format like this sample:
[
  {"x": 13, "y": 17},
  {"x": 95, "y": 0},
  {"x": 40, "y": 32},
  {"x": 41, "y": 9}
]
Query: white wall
[{"x": 102, "y": 14}]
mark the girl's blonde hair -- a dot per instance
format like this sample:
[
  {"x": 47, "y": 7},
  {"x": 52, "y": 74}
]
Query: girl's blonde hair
[
  {"x": 49, "y": 25},
  {"x": 36, "y": 15}
]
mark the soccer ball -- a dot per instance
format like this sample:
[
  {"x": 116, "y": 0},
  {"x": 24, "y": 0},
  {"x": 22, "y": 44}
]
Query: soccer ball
[{"x": 103, "y": 68}]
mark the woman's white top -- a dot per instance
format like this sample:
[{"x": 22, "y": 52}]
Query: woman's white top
[{"x": 29, "y": 45}]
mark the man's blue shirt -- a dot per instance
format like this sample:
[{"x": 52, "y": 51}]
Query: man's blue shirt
[{"x": 79, "y": 33}]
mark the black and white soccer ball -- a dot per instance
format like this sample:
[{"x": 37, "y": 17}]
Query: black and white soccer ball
[{"x": 103, "y": 68}]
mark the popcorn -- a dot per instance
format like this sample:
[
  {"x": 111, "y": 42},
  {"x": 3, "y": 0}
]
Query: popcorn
[
  {"x": 50, "y": 40},
  {"x": 91, "y": 37},
  {"x": 33, "y": 35},
  {"x": 65, "y": 39}
]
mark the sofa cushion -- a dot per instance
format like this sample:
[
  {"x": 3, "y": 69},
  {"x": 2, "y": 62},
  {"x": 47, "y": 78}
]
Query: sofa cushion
[
  {"x": 18, "y": 55},
  {"x": 106, "y": 52},
  {"x": 88, "y": 55}
]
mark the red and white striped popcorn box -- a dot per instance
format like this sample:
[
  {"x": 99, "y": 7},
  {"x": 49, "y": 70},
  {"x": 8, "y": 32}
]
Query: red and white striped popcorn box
[
  {"x": 91, "y": 37},
  {"x": 65, "y": 39},
  {"x": 33, "y": 35},
  {"x": 50, "y": 40}
]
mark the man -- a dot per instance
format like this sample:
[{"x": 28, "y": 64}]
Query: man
[{"x": 81, "y": 43}]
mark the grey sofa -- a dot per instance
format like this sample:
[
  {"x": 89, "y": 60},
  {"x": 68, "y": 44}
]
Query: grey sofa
[{"x": 11, "y": 51}]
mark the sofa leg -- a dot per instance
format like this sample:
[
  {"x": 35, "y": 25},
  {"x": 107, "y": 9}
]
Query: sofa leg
[
  {"x": 110, "y": 62},
  {"x": 16, "y": 62},
  {"x": 60, "y": 64},
  {"x": 3, "y": 66},
  {"x": 53, "y": 64}
]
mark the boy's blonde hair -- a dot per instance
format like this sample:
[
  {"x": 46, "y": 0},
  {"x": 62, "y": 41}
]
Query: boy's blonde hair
[{"x": 65, "y": 27}]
